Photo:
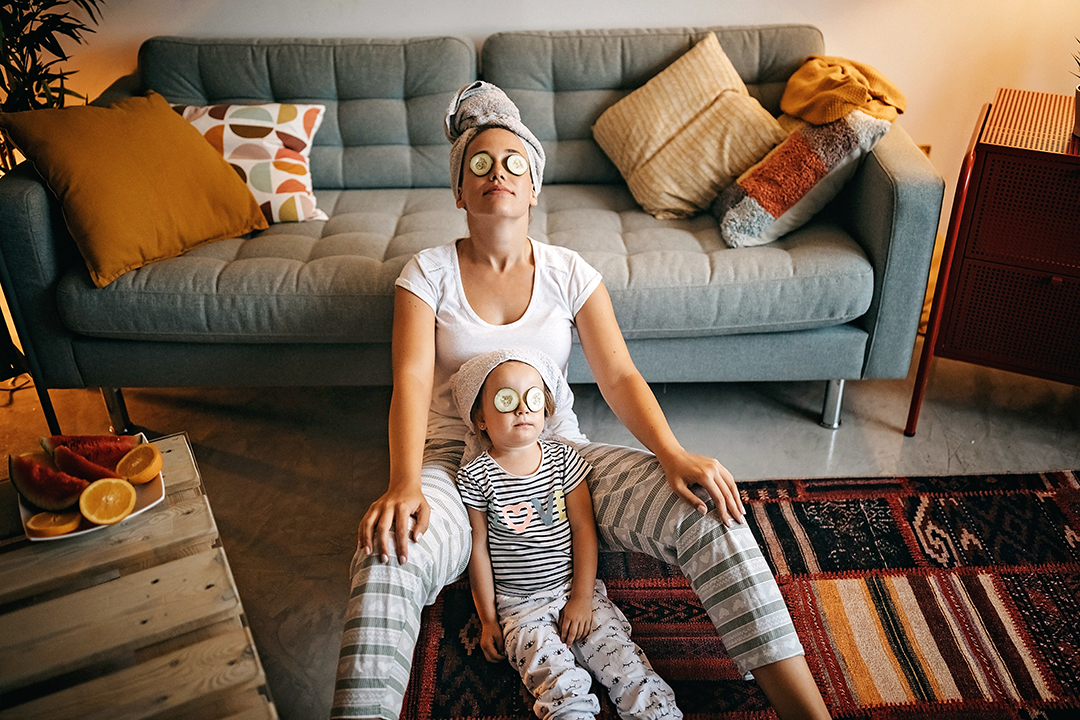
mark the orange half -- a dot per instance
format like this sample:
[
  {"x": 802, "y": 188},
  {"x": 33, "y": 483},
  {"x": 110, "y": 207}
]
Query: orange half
[
  {"x": 107, "y": 501},
  {"x": 141, "y": 465},
  {"x": 47, "y": 524}
]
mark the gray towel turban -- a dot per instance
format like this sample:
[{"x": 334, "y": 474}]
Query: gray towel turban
[
  {"x": 469, "y": 379},
  {"x": 482, "y": 104}
]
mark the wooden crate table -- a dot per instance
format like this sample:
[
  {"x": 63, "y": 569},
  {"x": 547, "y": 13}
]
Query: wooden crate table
[{"x": 140, "y": 620}]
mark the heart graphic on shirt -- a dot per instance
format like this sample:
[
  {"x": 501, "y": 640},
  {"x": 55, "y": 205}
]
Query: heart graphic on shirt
[{"x": 521, "y": 510}]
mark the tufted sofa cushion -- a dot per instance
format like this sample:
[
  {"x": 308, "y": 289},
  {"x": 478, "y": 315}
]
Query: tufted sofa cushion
[
  {"x": 326, "y": 281},
  {"x": 384, "y": 99},
  {"x": 334, "y": 281},
  {"x": 676, "y": 278}
]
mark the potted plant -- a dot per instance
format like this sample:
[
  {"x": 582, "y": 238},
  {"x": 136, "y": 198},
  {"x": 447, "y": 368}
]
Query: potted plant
[{"x": 31, "y": 51}]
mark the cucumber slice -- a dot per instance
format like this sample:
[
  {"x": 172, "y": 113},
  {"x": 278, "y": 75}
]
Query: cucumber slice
[
  {"x": 507, "y": 400},
  {"x": 517, "y": 165},
  {"x": 534, "y": 399},
  {"x": 481, "y": 164}
]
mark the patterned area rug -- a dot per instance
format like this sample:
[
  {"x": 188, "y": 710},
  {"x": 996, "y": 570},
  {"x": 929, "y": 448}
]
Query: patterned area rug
[{"x": 943, "y": 597}]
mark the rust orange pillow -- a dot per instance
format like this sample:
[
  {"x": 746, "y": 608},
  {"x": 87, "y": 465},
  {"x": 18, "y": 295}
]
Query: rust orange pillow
[{"x": 136, "y": 182}]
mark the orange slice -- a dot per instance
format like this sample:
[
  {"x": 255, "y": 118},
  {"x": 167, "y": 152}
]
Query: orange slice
[
  {"x": 140, "y": 465},
  {"x": 107, "y": 501},
  {"x": 47, "y": 524}
]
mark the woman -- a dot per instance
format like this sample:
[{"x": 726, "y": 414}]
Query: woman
[{"x": 495, "y": 289}]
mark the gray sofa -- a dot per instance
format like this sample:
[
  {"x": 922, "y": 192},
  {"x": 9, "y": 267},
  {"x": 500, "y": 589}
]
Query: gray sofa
[{"x": 311, "y": 303}]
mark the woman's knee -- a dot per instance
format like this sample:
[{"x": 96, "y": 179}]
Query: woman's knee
[{"x": 441, "y": 555}]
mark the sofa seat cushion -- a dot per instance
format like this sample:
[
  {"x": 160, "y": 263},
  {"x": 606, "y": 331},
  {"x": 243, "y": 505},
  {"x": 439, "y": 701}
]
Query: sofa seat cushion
[
  {"x": 319, "y": 281},
  {"x": 677, "y": 278},
  {"x": 333, "y": 281}
]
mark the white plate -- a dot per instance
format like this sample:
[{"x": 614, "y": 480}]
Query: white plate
[{"x": 147, "y": 496}]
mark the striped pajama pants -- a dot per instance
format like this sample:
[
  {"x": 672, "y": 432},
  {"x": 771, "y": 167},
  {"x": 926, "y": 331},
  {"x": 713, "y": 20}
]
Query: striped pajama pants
[{"x": 635, "y": 510}]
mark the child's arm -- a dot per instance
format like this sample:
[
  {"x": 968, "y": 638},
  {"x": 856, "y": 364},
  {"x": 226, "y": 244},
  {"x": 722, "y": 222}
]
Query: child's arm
[
  {"x": 482, "y": 580},
  {"x": 576, "y": 617}
]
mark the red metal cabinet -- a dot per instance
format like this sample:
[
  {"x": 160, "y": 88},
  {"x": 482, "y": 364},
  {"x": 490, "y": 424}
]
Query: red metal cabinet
[{"x": 1008, "y": 293}]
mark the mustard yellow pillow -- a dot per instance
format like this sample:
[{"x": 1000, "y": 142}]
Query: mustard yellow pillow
[
  {"x": 136, "y": 181},
  {"x": 687, "y": 133}
]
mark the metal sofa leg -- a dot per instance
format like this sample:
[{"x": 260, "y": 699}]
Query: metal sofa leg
[
  {"x": 17, "y": 363},
  {"x": 834, "y": 398},
  {"x": 118, "y": 414},
  {"x": 47, "y": 408}
]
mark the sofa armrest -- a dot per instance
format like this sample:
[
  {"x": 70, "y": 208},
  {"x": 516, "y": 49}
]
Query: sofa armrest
[
  {"x": 892, "y": 207},
  {"x": 35, "y": 250}
]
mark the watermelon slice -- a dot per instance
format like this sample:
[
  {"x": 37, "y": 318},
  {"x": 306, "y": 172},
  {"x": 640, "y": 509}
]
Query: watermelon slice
[
  {"x": 67, "y": 461},
  {"x": 40, "y": 483},
  {"x": 103, "y": 450}
]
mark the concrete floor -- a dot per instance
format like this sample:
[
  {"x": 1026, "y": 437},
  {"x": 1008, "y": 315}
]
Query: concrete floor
[{"x": 290, "y": 471}]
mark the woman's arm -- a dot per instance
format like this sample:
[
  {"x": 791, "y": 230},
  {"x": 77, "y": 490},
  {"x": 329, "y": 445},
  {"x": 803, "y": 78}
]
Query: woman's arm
[
  {"x": 633, "y": 402},
  {"x": 576, "y": 617},
  {"x": 413, "y": 358},
  {"x": 482, "y": 582}
]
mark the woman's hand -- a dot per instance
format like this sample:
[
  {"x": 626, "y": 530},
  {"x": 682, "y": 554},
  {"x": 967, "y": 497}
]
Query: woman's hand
[
  {"x": 491, "y": 641},
  {"x": 684, "y": 470},
  {"x": 575, "y": 619},
  {"x": 392, "y": 513}
]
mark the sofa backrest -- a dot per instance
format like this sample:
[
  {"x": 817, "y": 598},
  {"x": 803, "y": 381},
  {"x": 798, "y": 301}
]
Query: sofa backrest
[
  {"x": 563, "y": 81},
  {"x": 385, "y": 99}
]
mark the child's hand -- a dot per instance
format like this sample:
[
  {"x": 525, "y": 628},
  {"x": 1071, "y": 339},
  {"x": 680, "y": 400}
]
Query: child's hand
[
  {"x": 575, "y": 619},
  {"x": 491, "y": 642}
]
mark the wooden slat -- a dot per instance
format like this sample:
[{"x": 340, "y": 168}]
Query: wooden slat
[
  {"x": 42, "y": 566},
  {"x": 266, "y": 711},
  {"x": 245, "y": 705},
  {"x": 179, "y": 471},
  {"x": 11, "y": 528},
  {"x": 53, "y": 637},
  {"x": 224, "y": 664}
]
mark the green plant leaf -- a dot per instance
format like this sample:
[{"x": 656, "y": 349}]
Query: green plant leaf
[
  {"x": 31, "y": 53},
  {"x": 90, "y": 8}
]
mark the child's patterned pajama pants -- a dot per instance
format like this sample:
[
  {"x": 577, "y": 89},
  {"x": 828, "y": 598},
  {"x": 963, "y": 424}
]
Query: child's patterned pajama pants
[{"x": 556, "y": 674}]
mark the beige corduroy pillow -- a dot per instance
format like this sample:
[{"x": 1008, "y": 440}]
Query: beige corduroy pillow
[{"x": 687, "y": 133}]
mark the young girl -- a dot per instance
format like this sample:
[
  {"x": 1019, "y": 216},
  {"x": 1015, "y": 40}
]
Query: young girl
[{"x": 533, "y": 564}]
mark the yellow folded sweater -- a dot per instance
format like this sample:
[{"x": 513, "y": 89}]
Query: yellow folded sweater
[{"x": 825, "y": 89}]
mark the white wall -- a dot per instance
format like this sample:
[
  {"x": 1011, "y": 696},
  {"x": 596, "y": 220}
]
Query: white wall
[{"x": 947, "y": 56}]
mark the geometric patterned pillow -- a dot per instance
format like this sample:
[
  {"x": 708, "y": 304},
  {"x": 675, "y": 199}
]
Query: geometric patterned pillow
[
  {"x": 268, "y": 146},
  {"x": 796, "y": 179}
]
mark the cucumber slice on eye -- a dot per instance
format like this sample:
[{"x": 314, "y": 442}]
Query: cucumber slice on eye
[
  {"x": 481, "y": 164},
  {"x": 507, "y": 400},
  {"x": 534, "y": 399},
  {"x": 517, "y": 164}
]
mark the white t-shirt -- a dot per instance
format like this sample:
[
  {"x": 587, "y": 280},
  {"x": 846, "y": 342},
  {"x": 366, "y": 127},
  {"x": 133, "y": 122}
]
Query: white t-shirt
[{"x": 562, "y": 282}]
